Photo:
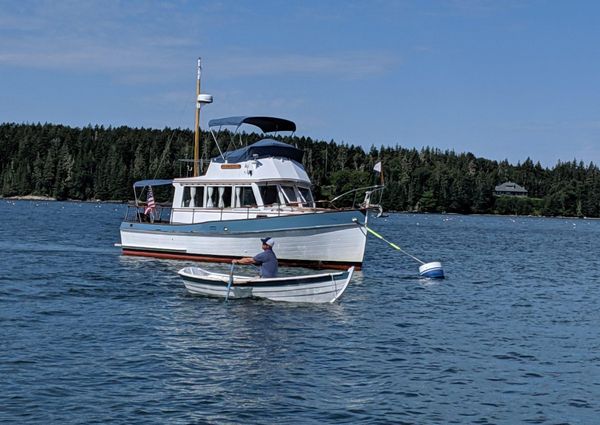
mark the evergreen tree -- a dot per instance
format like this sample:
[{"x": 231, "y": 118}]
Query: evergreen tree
[{"x": 95, "y": 162}]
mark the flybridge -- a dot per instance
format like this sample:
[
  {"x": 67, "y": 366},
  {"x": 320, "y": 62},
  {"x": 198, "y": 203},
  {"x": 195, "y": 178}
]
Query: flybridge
[{"x": 262, "y": 149}]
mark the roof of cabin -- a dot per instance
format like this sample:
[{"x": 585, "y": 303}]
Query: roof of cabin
[
  {"x": 262, "y": 149},
  {"x": 155, "y": 182}
]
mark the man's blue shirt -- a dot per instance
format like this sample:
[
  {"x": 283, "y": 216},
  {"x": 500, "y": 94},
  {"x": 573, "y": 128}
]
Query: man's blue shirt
[{"x": 267, "y": 262}]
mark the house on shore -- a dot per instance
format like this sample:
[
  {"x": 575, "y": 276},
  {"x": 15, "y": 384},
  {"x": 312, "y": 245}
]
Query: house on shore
[{"x": 510, "y": 189}]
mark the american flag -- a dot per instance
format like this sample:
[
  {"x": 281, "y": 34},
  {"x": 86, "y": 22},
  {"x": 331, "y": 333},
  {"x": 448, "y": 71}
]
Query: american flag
[{"x": 151, "y": 206}]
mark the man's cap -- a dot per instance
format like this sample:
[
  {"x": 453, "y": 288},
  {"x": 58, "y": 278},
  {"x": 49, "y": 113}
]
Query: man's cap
[{"x": 268, "y": 241}]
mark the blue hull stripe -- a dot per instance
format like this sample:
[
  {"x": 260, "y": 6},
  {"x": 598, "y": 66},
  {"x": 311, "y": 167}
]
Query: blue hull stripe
[
  {"x": 255, "y": 225},
  {"x": 292, "y": 284},
  {"x": 434, "y": 273}
]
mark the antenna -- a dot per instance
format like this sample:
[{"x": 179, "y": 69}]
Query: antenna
[{"x": 201, "y": 99}]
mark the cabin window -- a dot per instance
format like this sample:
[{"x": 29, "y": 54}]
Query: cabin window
[
  {"x": 193, "y": 196},
  {"x": 269, "y": 194},
  {"x": 306, "y": 196},
  {"x": 224, "y": 197},
  {"x": 244, "y": 197},
  {"x": 185, "y": 202},
  {"x": 290, "y": 194},
  {"x": 198, "y": 196},
  {"x": 218, "y": 197}
]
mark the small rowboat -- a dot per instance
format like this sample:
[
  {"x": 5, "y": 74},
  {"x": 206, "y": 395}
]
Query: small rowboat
[{"x": 316, "y": 288}]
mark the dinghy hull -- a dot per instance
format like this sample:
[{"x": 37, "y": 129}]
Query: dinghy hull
[{"x": 318, "y": 288}]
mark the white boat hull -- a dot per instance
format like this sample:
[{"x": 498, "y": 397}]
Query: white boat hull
[
  {"x": 320, "y": 288},
  {"x": 334, "y": 244}
]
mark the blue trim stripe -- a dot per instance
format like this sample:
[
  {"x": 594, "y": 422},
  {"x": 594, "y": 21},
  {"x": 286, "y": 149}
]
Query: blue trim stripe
[
  {"x": 254, "y": 225},
  {"x": 436, "y": 273},
  {"x": 279, "y": 284}
]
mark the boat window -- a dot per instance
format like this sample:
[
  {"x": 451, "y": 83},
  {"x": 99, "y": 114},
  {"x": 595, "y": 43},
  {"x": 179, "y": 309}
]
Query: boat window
[
  {"x": 224, "y": 197},
  {"x": 193, "y": 196},
  {"x": 306, "y": 196},
  {"x": 269, "y": 194},
  {"x": 185, "y": 202},
  {"x": 290, "y": 194},
  {"x": 218, "y": 197},
  {"x": 244, "y": 197},
  {"x": 198, "y": 196}
]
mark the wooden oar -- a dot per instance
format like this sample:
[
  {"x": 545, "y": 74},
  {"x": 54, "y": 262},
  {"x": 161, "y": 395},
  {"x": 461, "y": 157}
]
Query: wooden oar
[{"x": 230, "y": 282}]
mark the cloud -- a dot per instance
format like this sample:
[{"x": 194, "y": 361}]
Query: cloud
[
  {"x": 473, "y": 9},
  {"x": 345, "y": 65},
  {"x": 135, "y": 44},
  {"x": 554, "y": 126},
  {"x": 108, "y": 37},
  {"x": 80, "y": 55},
  {"x": 147, "y": 59}
]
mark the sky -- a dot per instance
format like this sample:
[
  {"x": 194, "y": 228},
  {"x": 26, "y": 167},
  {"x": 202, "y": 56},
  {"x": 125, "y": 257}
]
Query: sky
[{"x": 502, "y": 79}]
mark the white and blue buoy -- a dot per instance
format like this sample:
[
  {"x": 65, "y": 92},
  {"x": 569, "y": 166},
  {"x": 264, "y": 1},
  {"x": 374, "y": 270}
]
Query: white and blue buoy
[{"x": 432, "y": 270}]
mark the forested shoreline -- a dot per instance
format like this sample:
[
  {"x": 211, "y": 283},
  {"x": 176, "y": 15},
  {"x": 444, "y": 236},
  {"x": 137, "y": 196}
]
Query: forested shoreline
[{"x": 101, "y": 163}]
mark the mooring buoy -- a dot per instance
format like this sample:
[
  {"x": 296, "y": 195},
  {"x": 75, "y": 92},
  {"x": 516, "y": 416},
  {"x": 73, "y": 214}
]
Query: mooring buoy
[{"x": 432, "y": 270}]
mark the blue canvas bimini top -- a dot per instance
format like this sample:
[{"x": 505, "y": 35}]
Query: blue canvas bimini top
[
  {"x": 262, "y": 149},
  {"x": 266, "y": 124},
  {"x": 144, "y": 183}
]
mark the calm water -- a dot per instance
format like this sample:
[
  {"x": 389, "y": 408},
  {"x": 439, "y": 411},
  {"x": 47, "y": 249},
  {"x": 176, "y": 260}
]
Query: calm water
[{"x": 512, "y": 336}]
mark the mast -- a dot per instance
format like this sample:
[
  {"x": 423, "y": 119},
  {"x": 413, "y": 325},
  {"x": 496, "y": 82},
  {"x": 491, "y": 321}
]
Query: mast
[
  {"x": 197, "y": 125},
  {"x": 200, "y": 100}
]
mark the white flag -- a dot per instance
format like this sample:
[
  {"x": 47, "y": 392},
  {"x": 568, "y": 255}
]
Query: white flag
[{"x": 377, "y": 167}]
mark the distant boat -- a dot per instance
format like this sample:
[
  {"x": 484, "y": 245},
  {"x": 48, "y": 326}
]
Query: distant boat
[
  {"x": 255, "y": 191},
  {"x": 316, "y": 288}
]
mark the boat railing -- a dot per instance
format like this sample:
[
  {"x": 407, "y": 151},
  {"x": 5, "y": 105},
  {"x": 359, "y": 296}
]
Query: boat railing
[
  {"x": 163, "y": 213},
  {"x": 160, "y": 214},
  {"x": 253, "y": 211},
  {"x": 366, "y": 203}
]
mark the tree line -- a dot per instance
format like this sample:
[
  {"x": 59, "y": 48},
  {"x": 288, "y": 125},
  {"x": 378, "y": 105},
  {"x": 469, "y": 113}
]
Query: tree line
[{"x": 101, "y": 163}]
